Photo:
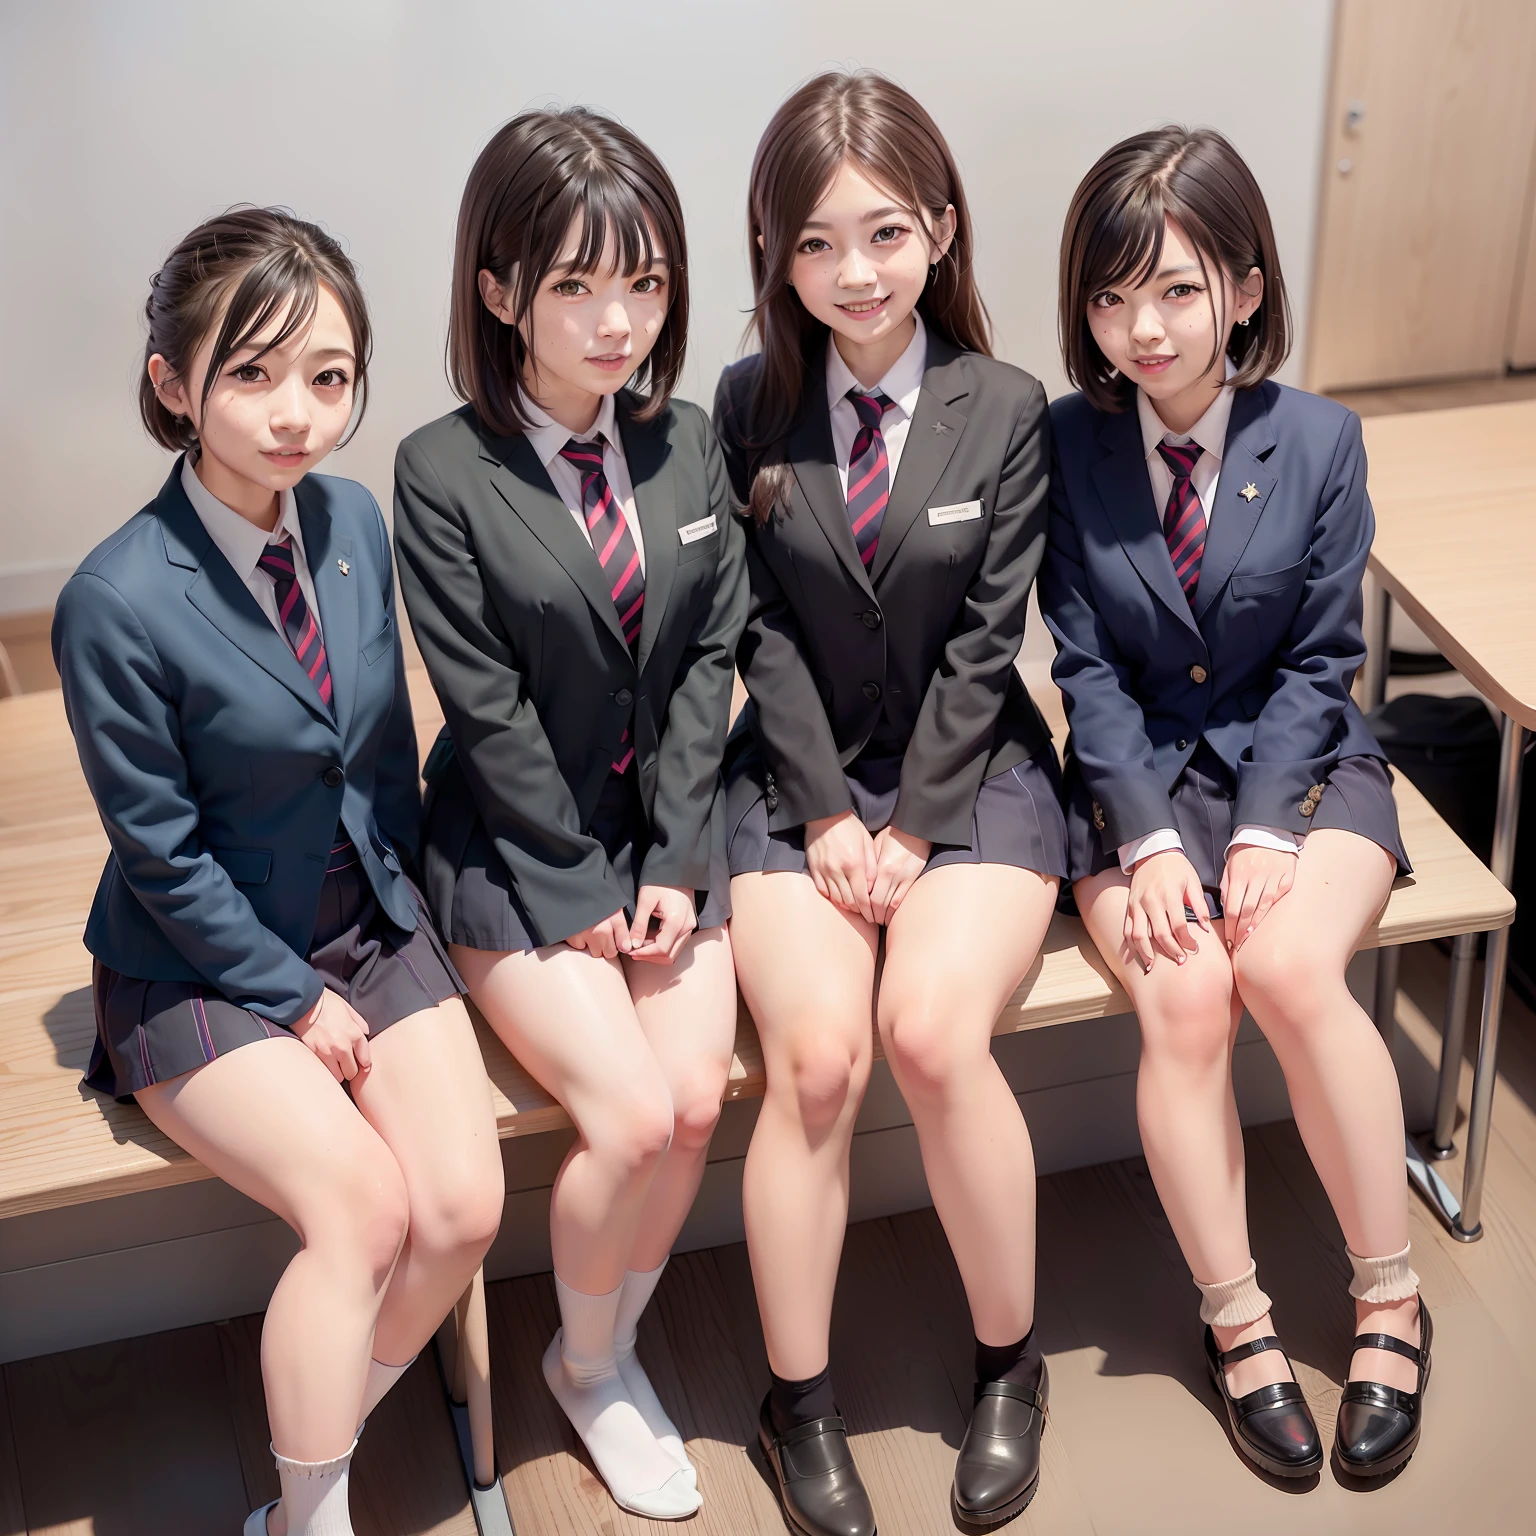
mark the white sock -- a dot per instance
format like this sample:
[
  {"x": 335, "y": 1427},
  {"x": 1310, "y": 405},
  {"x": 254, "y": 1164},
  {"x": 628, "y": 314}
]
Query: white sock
[
  {"x": 634, "y": 1296},
  {"x": 583, "y": 1374},
  {"x": 381, "y": 1378},
  {"x": 315, "y": 1495}
]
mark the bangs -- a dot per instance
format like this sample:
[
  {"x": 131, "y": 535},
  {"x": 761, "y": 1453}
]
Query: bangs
[
  {"x": 1126, "y": 245},
  {"x": 283, "y": 283},
  {"x": 614, "y": 217}
]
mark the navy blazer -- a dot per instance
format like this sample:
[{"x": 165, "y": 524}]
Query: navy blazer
[
  {"x": 219, "y": 775},
  {"x": 1261, "y": 668}
]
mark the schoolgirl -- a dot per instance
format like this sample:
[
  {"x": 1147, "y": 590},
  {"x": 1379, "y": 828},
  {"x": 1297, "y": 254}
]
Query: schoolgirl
[
  {"x": 576, "y": 586},
  {"x": 267, "y": 985},
  {"x": 1231, "y": 820},
  {"x": 890, "y": 772}
]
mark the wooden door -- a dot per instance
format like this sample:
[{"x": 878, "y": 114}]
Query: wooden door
[{"x": 1428, "y": 160}]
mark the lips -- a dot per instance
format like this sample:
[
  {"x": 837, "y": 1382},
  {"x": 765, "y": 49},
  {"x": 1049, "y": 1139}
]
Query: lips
[
  {"x": 1153, "y": 364},
  {"x": 610, "y": 362},
  {"x": 864, "y": 307}
]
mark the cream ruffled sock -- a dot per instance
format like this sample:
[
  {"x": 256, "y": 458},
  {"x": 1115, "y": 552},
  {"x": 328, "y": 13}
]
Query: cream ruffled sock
[
  {"x": 1233, "y": 1303},
  {"x": 583, "y": 1374},
  {"x": 1379, "y": 1281},
  {"x": 315, "y": 1495},
  {"x": 634, "y": 1296}
]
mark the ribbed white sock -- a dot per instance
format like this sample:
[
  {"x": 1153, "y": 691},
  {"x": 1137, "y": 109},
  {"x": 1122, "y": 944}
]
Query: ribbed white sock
[
  {"x": 634, "y": 1296},
  {"x": 381, "y": 1378},
  {"x": 583, "y": 1374},
  {"x": 315, "y": 1495}
]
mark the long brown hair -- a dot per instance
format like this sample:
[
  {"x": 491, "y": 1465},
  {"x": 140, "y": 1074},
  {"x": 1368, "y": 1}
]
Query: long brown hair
[
  {"x": 255, "y": 264},
  {"x": 538, "y": 173},
  {"x": 1114, "y": 234},
  {"x": 869, "y": 121}
]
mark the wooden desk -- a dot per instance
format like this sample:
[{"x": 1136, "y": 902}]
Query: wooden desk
[{"x": 1455, "y": 500}]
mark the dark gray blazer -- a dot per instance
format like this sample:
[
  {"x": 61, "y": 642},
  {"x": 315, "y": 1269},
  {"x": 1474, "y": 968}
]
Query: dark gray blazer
[
  {"x": 1261, "y": 669},
  {"x": 523, "y": 644},
  {"x": 219, "y": 775},
  {"x": 927, "y": 638}
]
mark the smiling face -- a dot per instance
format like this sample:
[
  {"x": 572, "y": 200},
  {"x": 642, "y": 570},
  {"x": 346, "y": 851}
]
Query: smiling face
[
  {"x": 861, "y": 264},
  {"x": 1167, "y": 330},
  {"x": 271, "y": 416},
  {"x": 586, "y": 333}
]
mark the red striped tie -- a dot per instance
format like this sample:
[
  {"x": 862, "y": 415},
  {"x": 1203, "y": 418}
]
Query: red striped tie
[
  {"x": 614, "y": 546},
  {"x": 298, "y": 622},
  {"x": 869, "y": 473},
  {"x": 1184, "y": 519}
]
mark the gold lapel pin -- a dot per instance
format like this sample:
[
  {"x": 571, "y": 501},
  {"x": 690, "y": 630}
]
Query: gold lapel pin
[
  {"x": 343, "y": 567},
  {"x": 1249, "y": 491}
]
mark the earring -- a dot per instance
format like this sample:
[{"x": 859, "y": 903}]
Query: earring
[
  {"x": 933, "y": 271},
  {"x": 1242, "y": 322}
]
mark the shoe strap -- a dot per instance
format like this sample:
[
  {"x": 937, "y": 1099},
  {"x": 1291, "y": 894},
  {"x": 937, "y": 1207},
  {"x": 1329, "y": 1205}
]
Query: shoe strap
[
  {"x": 1278, "y": 1394},
  {"x": 1390, "y": 1342},
  {"x": 1022, "y": 1394},
  {"x": 1250, "y": 1349},
  {"x": 1376, "y": 1394},
  {"x": 812, "y": 1431}
]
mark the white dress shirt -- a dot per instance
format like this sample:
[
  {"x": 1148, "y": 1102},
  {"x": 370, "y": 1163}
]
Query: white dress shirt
[
  {"x": 548, "y": 437},
  {"x": 1210, "y": 432},
  {"x": 242, "y": 543},
  {"x": 900, "y": 385}
]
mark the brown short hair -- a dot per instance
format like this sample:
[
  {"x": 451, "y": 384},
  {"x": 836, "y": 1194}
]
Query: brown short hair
[
  {"x": 255, "y": 264},
  {"x": 864, "y": 118},
  {"x": 538, "y": 173},
  {"x": 1115, "y": 228}
]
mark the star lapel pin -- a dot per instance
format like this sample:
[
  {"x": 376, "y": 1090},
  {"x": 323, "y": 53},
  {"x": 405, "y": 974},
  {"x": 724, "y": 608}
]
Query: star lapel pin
[
  {"x": 1249, "y": 491},
  {"x": 941, "y": 427},
  {"x": 343, "y": 567}
]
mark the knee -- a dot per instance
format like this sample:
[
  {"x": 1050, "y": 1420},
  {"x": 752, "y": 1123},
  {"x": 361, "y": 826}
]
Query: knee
[
  {"x": 1187, "y": 1021},
  {"x": 923, "y": 1046},
  {"x": 362, "y": 1212},
  {"x": 824, "y": 1072},
  {"x": 696, "y": 1108},
  {"x": 459, "y": 1215},
  {"x": 1278, "y": 984},
  {"x": 633, "y": 1131}
]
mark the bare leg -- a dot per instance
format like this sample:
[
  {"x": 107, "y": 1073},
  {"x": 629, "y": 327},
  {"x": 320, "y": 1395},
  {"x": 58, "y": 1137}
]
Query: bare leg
[
  {"x": 1184, "y": 1103},
  {"x": 427, "y": 1095},
  {"x": 688, "y": 1013},
  {"x": 272, "y": 1122},
  {"x": 959, "y": 945},
  {"x": 1343, "y": 1085},
  {"x": 807, "y": 971}
]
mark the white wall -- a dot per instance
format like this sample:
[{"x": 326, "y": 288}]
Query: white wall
[{"x": 124, "y": 122}]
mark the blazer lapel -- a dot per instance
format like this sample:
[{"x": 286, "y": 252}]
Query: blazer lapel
[
  {"x": 225, "y": 601},
  {"x": 648, "y": 457},
  {"x": 1234, "y": 515},
  {"x": 336, "y": 597},
  {"x": 932, "y": 437},
  {"x": 1126, "y": 492},
  {"x": 810, "y": 452},
  {"x": 524, "y": 484}
]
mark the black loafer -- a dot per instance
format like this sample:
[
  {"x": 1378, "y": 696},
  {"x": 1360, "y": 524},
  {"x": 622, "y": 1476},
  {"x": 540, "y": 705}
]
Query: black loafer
[
  {"x": 998, "y": 1468},
  {"x": 1272, "y": 1427},
  {"x": 820, "y": 1491},
  {"x": 1378, "y": 1428}
]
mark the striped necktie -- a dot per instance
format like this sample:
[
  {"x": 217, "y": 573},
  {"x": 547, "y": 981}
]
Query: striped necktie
[
  {"x": 299, "y": 625},
  {"x": 614, "y": 546},
  {"x": 1184, "y": 519},
  {"x": 869, "y": 473}
]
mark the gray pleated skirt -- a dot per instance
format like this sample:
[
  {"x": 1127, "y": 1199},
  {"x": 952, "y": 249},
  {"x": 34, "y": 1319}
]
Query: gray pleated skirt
[
  {"x": 1357, "y": 797},
  {"x": 1017, "y": 820}
]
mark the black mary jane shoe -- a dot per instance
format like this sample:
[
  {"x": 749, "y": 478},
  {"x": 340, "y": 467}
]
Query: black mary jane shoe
[
  {"x": 820, "y": 1490},
  {"x": 1378, "y": 1428},
  {"x": 1272, "y": 1427},
  {"x": 998, "y": 1468}
]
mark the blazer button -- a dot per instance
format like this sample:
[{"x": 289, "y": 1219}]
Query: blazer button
[
  {"x": 1307, "y": 807},
  {"x": 872, "y": 619},
  {"x": 772, "y": 797},
  {"x": 1098, "y": 816},
  {"x": 1197, "y": 673},
  {"x": 1180, "y": 744},
  {"x": 624, "y": 698},
  {"x": 333, "y": 777},
  {"x": 871, "y": 691}
]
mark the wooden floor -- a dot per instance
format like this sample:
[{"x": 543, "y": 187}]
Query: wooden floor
[{"x": 167, "y": 1434}]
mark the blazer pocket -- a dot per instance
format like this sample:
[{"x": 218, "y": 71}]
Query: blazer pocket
[
  {"x": 708, "y": 545},
  {"x": 380, "y": 643},
  {"x": 1261, "y": 582},
  {"x": 245, "y": 866}
]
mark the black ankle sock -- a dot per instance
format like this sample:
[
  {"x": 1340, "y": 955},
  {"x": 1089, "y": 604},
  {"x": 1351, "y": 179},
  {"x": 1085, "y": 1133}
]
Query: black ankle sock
[
  {"x": 792, "y": 1403},
  {"x": 1019, "y": 1363}
]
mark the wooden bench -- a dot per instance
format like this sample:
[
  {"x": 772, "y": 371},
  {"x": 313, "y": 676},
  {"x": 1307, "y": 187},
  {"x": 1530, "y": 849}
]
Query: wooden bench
[{"x": 62, "y": 1145}]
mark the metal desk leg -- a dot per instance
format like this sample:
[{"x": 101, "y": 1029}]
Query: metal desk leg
[
  {"x": 1453, "y": 1037},
  {"x": 1469, "y": 1226},
  {"x": 1378, "y": 648}
]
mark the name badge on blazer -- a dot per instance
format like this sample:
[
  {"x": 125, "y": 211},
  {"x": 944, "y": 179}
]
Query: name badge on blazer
[
  {"x": 693, "y": 532},
  {"x": 960, "y": 512}
]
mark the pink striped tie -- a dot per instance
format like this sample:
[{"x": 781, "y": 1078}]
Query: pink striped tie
[
  {"x": 298, "y": 622},
  {"x": 869, "y": 473},
  {"x": 614, "y": 546},
  {"x": 1184, "y": 519}
]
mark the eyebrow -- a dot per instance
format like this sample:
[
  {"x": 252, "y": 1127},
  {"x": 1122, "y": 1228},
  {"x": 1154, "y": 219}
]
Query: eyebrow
[
  {"x": 1188, "y": 266},
  {"x": 868, "y": 218},
  {"x": 563, "y": 270}
]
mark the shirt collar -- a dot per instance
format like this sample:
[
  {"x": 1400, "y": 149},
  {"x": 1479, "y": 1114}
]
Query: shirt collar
[
  {"x": 1210, "y": 432},
  {"x": 240, "y": 541},
  {"x": 547, "y": 437},
  {"x": 902, "y": 381}
]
